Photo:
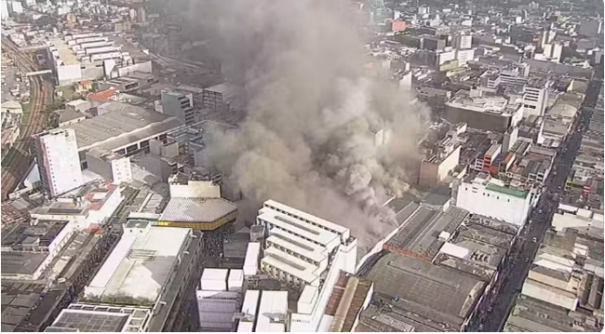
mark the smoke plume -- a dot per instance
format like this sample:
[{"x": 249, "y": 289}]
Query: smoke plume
[{"x": 316, "y": 122}]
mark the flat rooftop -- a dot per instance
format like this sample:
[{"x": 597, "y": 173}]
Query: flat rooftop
[
  {"x": 532, "y": 315},
  {"x": 443, "y": 292},
  {"x": 420, "y": 235},
  {"x": 24, "y": 235},
  {"x": 87, "y": 321},
  {"x": 298, "y": 226},
  {"x": 66, "y": 55},
  {"x": 140, "y": 265},
  {"x": 197, "y": 210},
  {"x": 97, "y": 318},
  {"x": 121, "y": 125},
  {"x": 485, "y": 103}
]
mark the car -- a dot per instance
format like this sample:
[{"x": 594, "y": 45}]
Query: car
[{"x": 534, "y": 239}]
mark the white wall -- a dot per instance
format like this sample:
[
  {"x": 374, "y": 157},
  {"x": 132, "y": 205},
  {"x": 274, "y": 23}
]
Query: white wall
[
  {"x": 121, "y": 170},
  {"x": 69, "y": 74},
  {"x": 478, "y": 200}
]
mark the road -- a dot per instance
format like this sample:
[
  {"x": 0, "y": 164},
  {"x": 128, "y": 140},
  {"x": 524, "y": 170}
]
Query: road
[
  {"x": 18, "y": 159},
  {"x": 514, "y": 273}
]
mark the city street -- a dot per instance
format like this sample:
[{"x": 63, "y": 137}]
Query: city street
[{"x": 515, "y": 272}]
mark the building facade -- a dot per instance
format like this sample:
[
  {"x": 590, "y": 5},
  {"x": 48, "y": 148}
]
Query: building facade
[
  {"x": 490, "y": 198},
  {"x": 58, "y": 161}
]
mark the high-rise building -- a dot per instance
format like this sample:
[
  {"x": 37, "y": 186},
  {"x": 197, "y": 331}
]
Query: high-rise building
[
  {"x": 58, "y": 161},
  {"x": 178, "y": 105},
  {"x": 463, "y": 42},
  {"x": 535, "y": 97}
]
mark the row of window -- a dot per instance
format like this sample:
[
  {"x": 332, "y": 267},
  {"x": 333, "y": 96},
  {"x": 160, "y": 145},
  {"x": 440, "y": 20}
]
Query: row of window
[{"x": 297, "y": 255}]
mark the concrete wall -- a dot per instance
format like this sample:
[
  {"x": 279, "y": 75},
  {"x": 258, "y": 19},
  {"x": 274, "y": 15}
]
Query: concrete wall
[
  {"x": 477, "y": 199},
  {"x": 69, "y": 74},
  {"x": 478, "y": 120}
]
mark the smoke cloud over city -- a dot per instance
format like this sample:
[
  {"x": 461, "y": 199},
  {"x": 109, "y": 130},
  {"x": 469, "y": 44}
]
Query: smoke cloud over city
[{"x": 320, "y": 135}]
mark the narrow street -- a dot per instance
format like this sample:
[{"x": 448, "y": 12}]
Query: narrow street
[{"x": 514, "y": 274}]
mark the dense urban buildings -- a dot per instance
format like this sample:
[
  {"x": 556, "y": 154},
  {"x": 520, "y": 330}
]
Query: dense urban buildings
[{"x": 372, "y": 167}]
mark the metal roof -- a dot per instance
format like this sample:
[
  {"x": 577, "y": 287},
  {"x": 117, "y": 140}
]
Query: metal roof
[{"x": 198, "y": 210}]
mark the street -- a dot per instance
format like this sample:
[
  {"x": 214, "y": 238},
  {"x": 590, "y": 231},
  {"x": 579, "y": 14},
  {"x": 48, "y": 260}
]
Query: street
[{"x": 514, "y": 273}]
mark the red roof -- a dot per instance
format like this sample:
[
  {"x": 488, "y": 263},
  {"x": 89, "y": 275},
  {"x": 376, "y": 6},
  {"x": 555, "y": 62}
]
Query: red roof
[
  {"x": 85, "y": 82},
  {"x": 104, "y": 95}
]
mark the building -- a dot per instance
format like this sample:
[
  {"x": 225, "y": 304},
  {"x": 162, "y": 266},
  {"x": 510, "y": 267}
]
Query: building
[
  {"x": 591, "y": 27},
  {"x": 436, "y": 167},
  {"x": 219, "y": 97},
  {"x": 193, "y": 186},
  {"x": 481, "y": 110},
  {"x": 464, "y": 56},
  {"x": 264, "y": 311},
  {"x": 179, "y": 105},
  {"x": 462, "y": 42},
  {"x": 489, "y": 197},
  {"x": 121, "y": 128},
  {"x": 112, "y": 166},
  {"x": 306, "y": 253},
  {"x": 535, "y": 97},
  {"x": 91, "y": 56},
  {"x": 433, "y": 43},
  {"x": 218, "y": 298},
  {"x": 69, "y": 116},
  {"x": 564, "y": 287},
  {"x": 142, "y": 284},
  {"x": 90, "y": 205},
  {"x": 58, "y": 161},
  {"x": 27, "y": 250},
  {"x": 198, "y": 213},
  {"x": 351, "y": 296}
]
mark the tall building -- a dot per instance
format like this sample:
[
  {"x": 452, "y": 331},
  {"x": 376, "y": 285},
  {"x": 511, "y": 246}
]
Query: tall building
[
  {"x": 306, "y": 253},
  {"x": 179, "y": 105},
  {"x": 463, "y": 41},
  {"x": 58, "y": 161},
  {"x": 535, "y": 97}
]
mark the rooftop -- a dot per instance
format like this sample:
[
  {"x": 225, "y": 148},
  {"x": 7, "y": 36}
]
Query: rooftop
[
  {"x": 91, "y": 318},
  {"x": 139, "y": 266},
  {"x": 532, "y": 315},
  {"x": 484, "y": 102},
  {"x": 196, "y": 210},
  {"x": 26, "y": 306},
  {"x": 66, "y": 55},
  {"x": 442, "y": 292},
  {"x": 66, "y": 115},
  {"x": 421, "y": 234},
  {"x": 123, "y": 124},
  {"x": 507, "y": 191}
]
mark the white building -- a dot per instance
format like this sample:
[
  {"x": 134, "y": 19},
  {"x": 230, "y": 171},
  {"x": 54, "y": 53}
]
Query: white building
[
  {"x": 464, "y": 56},
  {"x": 91, "y": 56},
  {"x": 218, "y": 298},
  {"x": 307, "y": 253},
  {"x": 58, "y": 161},
  {"x": 571, "y": 217},
  {"x": 112, "y": 166},
  {"x": 264, "y": 311},
  {"x": 535, "y": 97},
  {"x": 463, "y": 42},
  {"x": 490, "y": 198}
]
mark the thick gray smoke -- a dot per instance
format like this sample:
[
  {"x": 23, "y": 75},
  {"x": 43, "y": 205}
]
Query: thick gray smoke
[{"x": 316, "y": 123}]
